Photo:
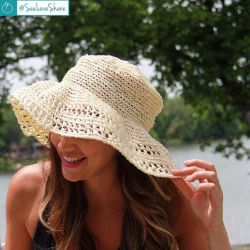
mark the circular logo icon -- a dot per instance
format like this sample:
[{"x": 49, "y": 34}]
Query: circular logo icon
[{"x": 7, "y": 8}]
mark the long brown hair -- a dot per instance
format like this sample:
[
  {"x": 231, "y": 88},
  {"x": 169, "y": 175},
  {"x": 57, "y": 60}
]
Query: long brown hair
[{"x": 145, "y": 223}]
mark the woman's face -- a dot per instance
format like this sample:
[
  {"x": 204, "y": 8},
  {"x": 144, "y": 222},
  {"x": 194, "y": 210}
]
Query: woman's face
[{"x": 100, "y": 159}]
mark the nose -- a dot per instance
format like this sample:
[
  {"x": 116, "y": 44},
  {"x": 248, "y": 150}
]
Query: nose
[{"x": 65, "y": 144}]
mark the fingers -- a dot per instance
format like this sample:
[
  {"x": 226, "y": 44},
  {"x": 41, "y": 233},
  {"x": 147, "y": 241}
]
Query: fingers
[
  {"x": 186, "y": 188},
  {"x": 198, "y": 170},
  {"x": 206, "y": 171},
  {"x": 201, "y": 164},
  {"x": 205, "y": 198},
  {"x": 184, "y": 172},
  {"x": 202, "y": 171},
  {"x": 204, "y": 187},
  {"x": 203, "y": 175}
]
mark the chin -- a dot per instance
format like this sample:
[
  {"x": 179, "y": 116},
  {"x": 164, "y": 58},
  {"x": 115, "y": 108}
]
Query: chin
[{"x": 71, "y": 177}]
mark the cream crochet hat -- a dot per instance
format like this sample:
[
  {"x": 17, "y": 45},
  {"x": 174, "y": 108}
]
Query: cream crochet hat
[{"x": 102, "y": 98}]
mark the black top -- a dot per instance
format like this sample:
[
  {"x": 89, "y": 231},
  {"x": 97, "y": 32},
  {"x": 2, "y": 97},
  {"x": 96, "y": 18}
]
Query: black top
[{"x": 43, "y": 239}]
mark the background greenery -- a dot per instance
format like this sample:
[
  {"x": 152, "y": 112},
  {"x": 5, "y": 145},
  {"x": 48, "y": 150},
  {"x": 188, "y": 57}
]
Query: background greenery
[{"x": 200, "y": 50}]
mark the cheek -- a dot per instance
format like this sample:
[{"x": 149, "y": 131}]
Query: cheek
[
  {"x": 105, "y": 152},
  {"x": 94, "y": 150},
  {"x": 54, "y": 140}
]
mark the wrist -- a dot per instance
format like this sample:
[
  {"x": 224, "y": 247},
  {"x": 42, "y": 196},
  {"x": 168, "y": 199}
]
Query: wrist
[{"x": 217, "y": 237}]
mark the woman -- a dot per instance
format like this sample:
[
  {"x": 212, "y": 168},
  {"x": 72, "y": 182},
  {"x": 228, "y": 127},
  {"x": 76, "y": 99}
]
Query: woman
[{"x": 108, "y": 184}]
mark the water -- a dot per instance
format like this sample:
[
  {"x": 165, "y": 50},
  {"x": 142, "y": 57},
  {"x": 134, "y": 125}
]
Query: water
[
  {"x": 235, "y": 181},
  {"x": 4, "y": 180}
]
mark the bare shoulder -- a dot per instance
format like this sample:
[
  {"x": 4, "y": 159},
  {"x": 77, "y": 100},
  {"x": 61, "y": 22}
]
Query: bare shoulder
[
  {"x": 24, "y": 186},
  {"x": 29, "y": 178},
  {"x": 22, "y": 194}
]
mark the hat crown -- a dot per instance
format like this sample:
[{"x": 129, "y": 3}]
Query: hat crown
[
  {"x": 101, "y": 98},
  {"x": 119, "y": 84}
]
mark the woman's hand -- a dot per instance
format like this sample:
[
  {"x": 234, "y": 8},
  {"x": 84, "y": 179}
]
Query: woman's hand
[{"x": 206, "y": 199}]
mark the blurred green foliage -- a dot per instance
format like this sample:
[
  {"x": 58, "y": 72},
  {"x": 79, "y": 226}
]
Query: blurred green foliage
[
  {"x": 10, "y": 131},
  {"x": 204, "y": 48},
  {"x": 6, "y": 164},
  {"x": 180, "y": 123},
  {"x": 200, "y": 48}
]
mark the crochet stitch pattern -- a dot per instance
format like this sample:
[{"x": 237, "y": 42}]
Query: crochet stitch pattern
[{"x": 102, "y": 98}]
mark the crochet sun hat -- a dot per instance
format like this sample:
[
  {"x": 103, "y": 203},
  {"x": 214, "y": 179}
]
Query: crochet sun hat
[{"x": 102, "y": 98}]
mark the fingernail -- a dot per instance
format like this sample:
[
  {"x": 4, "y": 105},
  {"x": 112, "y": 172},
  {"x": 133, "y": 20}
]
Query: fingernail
[
  {"x": 171, "y": 176},
  {"x": 173, "y": 170},
  {"x": 187, "y": 162},
  {"x": 188, "y": 178}
]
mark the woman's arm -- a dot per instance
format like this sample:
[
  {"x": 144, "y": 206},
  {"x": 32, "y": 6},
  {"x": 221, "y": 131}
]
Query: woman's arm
[
  {"x": 20, "y": 196},
  {"x": 218, "y": 238},
  {"x": 188, "y": 229},
  {"x": 202, "y": 211}
]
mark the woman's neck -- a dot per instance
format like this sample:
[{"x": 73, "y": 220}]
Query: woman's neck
[{"x": 103, "y": 190}]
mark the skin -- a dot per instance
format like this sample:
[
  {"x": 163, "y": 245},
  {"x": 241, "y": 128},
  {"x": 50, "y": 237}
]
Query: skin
[
  {"x": 200, "y": 214},
  {"x": 205, "y": 199}
]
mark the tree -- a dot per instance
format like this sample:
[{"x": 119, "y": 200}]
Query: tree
[
  {"x": 201, "y": 47},
  {"x": 204, "y": 47},
  {"x": 3, "y": 95},
  {"x": 106, "y": 27}
]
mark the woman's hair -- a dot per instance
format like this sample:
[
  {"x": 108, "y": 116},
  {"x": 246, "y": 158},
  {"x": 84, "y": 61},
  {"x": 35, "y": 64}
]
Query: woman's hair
[{"x": 145, "y": 223}]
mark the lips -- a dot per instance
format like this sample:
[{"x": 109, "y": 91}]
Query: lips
[
  {"x": 72, "y": 159},
  {"x": 72, "y": 162}
]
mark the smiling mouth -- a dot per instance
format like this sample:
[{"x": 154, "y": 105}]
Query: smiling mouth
[
  {"x": 73, "y": 160},
  {"x": 73, "y": 164}
]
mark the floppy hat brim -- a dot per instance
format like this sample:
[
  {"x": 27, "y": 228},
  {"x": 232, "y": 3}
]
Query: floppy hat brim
[{"x": 45, "y": 107}]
